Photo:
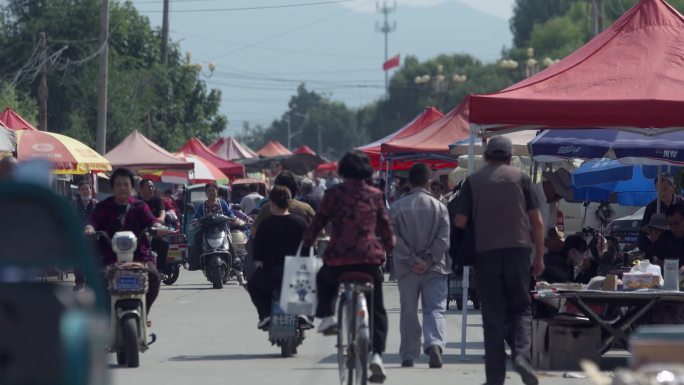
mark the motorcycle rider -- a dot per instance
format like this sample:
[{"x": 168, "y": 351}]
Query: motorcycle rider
[
  {"x": 159, "y": 245},
  {"x": 123, "y": 212},
  {"x": 84, "y": 205},
  {"x": 212, "y": 206},
  {"x": 280, "y": 235}
]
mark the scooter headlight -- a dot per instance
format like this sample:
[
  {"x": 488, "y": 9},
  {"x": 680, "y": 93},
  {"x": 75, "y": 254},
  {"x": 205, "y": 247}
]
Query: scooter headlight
[
  {"x": 124, "y": 242},
  {"x": 215, "y": 242}
]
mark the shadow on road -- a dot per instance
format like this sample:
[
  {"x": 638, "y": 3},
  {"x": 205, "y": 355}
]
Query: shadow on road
[
  {"x": 469, "y": 345},
  {"x": 392, "y": 359},
  {"x": 188, "y": 288},
  {"x": 225, "y": 357}
]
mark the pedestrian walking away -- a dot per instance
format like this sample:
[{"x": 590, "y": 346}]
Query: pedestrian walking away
[
  {"x": 498, "y": 199},
  {"x": 422, "y": 265}
]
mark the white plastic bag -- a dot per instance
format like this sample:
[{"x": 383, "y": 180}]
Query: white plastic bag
[{"x": 298, "y": 292}]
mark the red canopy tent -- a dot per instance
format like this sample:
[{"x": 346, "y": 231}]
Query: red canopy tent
[
  {"x": 431, "y": 143},
  {"x": 272, "y": 149},
  {"x": 196, "y": 147},
  {"x": 304, "y": 149},
  {"x": 230, "y": 149},
  {"x": 11, "y": 119},
  {"x": 629, "y": 76},
  {"x": 373, "y": 150},
  {"x": 139, "y": 153}
]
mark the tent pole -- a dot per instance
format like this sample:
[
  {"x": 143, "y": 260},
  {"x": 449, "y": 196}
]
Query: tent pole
[
  {"x": 466, "y": 269},
  {"x": 658, "y": 192}
]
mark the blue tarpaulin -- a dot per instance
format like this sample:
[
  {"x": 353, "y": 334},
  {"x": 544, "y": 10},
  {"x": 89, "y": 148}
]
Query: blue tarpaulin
[
  {"x": 628, "y": 147},
  {"x": 608, "y": 180}
]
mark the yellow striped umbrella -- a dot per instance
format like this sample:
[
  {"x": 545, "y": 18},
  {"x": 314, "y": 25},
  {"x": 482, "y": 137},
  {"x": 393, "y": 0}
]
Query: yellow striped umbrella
[{"x": 68, "y": 155}]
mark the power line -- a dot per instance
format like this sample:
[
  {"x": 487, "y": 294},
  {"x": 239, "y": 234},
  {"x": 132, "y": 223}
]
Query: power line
[
  {"x": 318, "y": 21},
  {"x": 239, "y": 9},
  {"x": 296, "y": 52}
]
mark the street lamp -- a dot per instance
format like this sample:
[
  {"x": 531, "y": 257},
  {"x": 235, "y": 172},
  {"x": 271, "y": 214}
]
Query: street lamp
[
  {"x": 440, "y": 82},
  {"x": 531, "y": 64}
]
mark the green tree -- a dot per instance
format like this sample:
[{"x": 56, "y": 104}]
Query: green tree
[
  {"x": 19, "y": 102},
  {"x": 561, "y": 35},
  {"x": 528, "y": 13},
  {"x": 168, "y": 103}
]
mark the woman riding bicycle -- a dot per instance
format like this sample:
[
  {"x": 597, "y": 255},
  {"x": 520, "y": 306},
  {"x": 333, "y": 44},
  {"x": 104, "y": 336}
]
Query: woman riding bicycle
[{"x": 357, "y": 213}]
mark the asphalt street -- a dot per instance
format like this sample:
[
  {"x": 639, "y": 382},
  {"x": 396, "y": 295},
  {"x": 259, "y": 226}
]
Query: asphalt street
[{"x": 208, "y": 336}]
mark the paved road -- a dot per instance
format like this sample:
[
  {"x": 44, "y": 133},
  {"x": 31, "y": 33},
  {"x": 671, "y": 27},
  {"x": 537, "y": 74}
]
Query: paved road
[{"x": 209, "y": 337}]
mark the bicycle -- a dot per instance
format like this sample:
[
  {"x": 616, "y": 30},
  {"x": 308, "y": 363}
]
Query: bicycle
[{"x": 354, "y": 327}]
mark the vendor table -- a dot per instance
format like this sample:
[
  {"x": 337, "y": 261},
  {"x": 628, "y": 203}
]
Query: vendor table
[{"x": 637, "y": 303}]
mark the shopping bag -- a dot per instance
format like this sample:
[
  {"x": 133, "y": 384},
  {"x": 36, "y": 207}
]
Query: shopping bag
[{"x": 298, "y": 291}]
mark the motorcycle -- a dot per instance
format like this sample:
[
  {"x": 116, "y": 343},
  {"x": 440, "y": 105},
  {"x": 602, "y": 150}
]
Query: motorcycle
[
  {"x": 285, "y": 330},
  {"x": 176, "y": 256},
  {"x": 127, "y": 284},
  {"x": 216, "y": 259},
  {"x": 239, "y": 235}
]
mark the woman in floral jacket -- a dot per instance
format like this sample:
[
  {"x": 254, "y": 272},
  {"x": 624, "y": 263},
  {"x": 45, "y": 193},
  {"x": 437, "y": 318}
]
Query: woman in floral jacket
[{"x": 360, "y": 238}]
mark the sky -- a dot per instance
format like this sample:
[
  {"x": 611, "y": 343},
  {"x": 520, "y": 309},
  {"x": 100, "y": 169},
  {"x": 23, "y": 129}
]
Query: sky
[{"x": 261, "y": 55}]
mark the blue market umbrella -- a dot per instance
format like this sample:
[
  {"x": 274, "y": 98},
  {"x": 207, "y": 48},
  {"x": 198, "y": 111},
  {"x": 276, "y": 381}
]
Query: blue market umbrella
[
  {"x": 607, "y": 180},
  {"x": 628, "y": 147}
]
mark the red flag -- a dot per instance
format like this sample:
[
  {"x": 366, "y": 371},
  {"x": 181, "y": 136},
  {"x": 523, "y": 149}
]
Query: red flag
[{"x": 391, "y": 63}]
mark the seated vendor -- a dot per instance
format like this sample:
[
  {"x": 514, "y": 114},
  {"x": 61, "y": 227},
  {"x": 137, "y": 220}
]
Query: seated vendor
[
  {"x": 560, "y": 264},
  {"x": 663, "y": 243}
]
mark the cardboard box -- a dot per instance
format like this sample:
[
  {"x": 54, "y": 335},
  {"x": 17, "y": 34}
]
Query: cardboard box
[
  {"x": 657, "y": 344},
  {"x": 560, "y": 345}
]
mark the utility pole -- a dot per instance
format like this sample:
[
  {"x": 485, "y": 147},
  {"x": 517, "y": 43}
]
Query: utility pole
[
  {"x": 102, "y": 80},
  {"x": 165, "y": 33},
  {"x": 386, "y": 29},
  {"x": 289, "y": 130},
  {"x": 42, "y": 83},
  {"x": 597, "y": 16},
  {"x": 320, "y": 141}
]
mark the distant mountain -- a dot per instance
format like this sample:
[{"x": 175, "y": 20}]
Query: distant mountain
[{"x": 332, "y": 49}]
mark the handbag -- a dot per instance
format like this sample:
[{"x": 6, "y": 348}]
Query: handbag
[
  {"x": 298, "y": 291},
  {"x": 462, "y": 246}
]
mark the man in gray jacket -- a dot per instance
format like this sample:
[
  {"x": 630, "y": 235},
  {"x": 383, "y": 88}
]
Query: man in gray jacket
[{"x": 421, "y": 265}]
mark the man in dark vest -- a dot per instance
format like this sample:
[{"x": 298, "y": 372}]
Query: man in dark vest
[
  {"x": 84, "y": 205},
  {"x": 498, "y": 199}
]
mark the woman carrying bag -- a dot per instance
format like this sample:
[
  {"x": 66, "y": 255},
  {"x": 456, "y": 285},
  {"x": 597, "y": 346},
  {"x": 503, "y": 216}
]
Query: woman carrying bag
[{"x": 279, "y": 235}]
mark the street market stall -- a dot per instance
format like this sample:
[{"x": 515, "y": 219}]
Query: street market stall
[
  {"x": 195, "y": 146},
  {"x": 147, "y": 158},
  {"x": 11, "y": 119},
  {"x": 374, "y": 150},
  {"x": 273, "y": 148},
  {"x": 230, "y": 149},
  {"x": 626, "y": 78}
]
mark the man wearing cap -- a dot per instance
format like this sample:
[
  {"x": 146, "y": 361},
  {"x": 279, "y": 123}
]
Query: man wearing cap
[
  {"x": 554, "y": 186},
  {"x": 666, "y": 193},
  {"x": 498, "y": 199}
]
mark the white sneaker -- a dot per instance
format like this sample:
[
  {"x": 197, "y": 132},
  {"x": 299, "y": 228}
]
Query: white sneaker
[
  {"x": 264, "y": 323},
  {"x": 377, "y": 369},
  {"x": 328, "y": 326}
]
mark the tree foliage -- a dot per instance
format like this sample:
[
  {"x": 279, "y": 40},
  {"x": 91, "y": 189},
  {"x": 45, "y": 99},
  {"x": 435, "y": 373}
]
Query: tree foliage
[
  {"x": 168, "y": 103},
  {"x": 343, "y": 128}
]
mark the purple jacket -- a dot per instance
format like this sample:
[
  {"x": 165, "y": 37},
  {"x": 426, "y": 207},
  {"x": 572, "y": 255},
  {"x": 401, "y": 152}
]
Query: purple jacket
[{"x": 137, "y": 217}]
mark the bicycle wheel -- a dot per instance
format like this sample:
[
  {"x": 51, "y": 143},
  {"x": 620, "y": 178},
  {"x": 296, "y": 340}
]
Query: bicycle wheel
[
  {"x": 342, "y": 339},
  {"x": 361, "y": 342}
]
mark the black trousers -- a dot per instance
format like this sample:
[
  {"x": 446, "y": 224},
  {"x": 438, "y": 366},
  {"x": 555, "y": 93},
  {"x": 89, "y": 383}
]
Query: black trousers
[
  {"x": 328, "y": 283},
  {"x": 503, "y": 282},
  {"x": 161, "y": 247},
  {"x": 261, "y": 288}
]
